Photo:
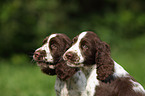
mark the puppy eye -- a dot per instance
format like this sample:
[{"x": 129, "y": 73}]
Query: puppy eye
[
  {"x": 74, "y": 40},
  {"x": 45, "y": 40},
  {"x": 53, "y": 46},
  {"x": 84, "y": 47}
]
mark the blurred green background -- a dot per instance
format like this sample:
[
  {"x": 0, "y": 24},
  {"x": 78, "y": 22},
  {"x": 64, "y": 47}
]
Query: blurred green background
[{"x": 25, "y": 23}]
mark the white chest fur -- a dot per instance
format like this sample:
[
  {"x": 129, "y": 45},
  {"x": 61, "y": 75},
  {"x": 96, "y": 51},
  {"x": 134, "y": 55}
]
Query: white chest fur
[
  {"x": 74, "y": 86},
  {"x": 60, "y": 87},
  {"x": 92, "y": 82}
]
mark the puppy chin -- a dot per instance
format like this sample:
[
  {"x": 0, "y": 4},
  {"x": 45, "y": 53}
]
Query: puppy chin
[
  {"x": 51, "y": 66},
  {"x": 45, "y": 65},
  {"x": 75, "y": 64}
]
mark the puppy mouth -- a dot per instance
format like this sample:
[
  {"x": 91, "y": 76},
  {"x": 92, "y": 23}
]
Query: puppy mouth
[
  {"x": 45, "y": 64},
  {"x": 74, "y": 64}
]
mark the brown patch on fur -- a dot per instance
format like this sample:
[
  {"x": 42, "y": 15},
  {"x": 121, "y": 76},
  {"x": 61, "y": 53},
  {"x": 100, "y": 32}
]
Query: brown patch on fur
[
  {"x": 105, "y": 65},
  {"x": 63, "y": 71},
  {"x": 118, "y": 87},
  {"x": 48, "y": 71}
]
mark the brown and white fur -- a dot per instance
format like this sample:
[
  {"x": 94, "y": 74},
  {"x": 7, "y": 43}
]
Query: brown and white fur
[
  {"x": 69, "y": 81},
  {"x": 104, "y": 76}
]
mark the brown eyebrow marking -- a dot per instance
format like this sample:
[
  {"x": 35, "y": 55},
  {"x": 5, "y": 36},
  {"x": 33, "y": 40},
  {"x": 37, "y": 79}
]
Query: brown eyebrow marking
[
  {"x": 74, "y": 40},
  {"x": 45, "y": 40}
]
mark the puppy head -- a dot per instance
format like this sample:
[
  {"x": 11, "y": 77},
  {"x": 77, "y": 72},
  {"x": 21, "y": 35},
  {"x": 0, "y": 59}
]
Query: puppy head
[
  {"x": 87, "y": 49},
  {"x": 51, "y": 52}
]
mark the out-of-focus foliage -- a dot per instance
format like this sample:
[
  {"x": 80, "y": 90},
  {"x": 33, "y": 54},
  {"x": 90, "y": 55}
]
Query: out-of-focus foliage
[{"x": 24, "y": 23}]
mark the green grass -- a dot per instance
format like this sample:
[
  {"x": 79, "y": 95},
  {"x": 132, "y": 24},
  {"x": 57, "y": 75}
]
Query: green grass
[
  {"x": 20, "y": 80},
  {"x": 19, "y": 77}
]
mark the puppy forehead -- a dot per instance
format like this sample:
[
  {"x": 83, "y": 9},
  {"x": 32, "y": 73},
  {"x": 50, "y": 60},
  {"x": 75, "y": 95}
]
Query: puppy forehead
[
  {"x": 81, "y": 36},
  {"x": 51, "y": 36},
  {"x": 75, "y": 46}
]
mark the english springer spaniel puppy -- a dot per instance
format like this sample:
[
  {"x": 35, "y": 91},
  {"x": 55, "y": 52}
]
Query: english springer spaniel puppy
[
  {"x": 69, "y": 81},
  {"x": 104, "y": 76}
]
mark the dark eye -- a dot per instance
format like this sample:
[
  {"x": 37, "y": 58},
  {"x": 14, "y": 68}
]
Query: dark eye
[
  {"x": 45, "y": 40},
  {"x": 84, "y": 47},
  {"x": 74, "y": 40},
  {"x": 53, "y": 46}
]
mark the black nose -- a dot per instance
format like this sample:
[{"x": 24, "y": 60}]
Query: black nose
[
  {"x": 73, "y": 57},
  {"x": 38, "y": 55},
  {"x": 69, "y": 55}
]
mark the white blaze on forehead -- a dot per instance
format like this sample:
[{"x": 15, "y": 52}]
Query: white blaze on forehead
[
  {"x": 81, "y": 36},
  {"x": 45, "y": 47},
  {"x": 50, "y": 37},
  {"x": 76, "y": 48}
]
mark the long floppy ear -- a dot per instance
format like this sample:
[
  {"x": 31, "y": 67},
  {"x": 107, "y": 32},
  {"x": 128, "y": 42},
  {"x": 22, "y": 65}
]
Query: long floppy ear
[
  {"x": 63, "y": 71},
  {"x": 105, "y": 65},
  {"x": 66, "y": 41}
]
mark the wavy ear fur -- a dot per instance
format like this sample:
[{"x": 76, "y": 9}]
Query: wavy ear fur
[
  {"x": 63, "y": 71},
  {"x": 67, "y": 41},
  {"x": 105, "y": 65}
]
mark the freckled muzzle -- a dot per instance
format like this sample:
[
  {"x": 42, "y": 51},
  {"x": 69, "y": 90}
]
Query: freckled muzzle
[
  {"x": 39, "y": 57},
  {"x": 71, "y": 57}
]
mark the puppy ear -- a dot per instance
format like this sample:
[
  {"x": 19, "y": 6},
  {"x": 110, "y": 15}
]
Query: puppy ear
[
  {"x": 105, "y": 65},
  {"x": 63, "y": 71},
  {"x": 66, "y": 42}
]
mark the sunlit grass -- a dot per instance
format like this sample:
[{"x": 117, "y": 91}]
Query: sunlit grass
[
  {"x": 19, "y": 77},
  {"x": 17, "y": 80}
]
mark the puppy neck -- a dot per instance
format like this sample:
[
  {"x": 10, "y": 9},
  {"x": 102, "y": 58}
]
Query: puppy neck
[{"x": 88, "y": 70}]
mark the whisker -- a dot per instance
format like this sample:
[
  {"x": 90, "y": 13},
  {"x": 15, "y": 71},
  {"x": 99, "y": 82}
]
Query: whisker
[
  {"x": 33, "y": 62},
  {"x": 31, "y": 56},
  {"x": 32, "y": 49},
  {"x": 31, "y": 53}
]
